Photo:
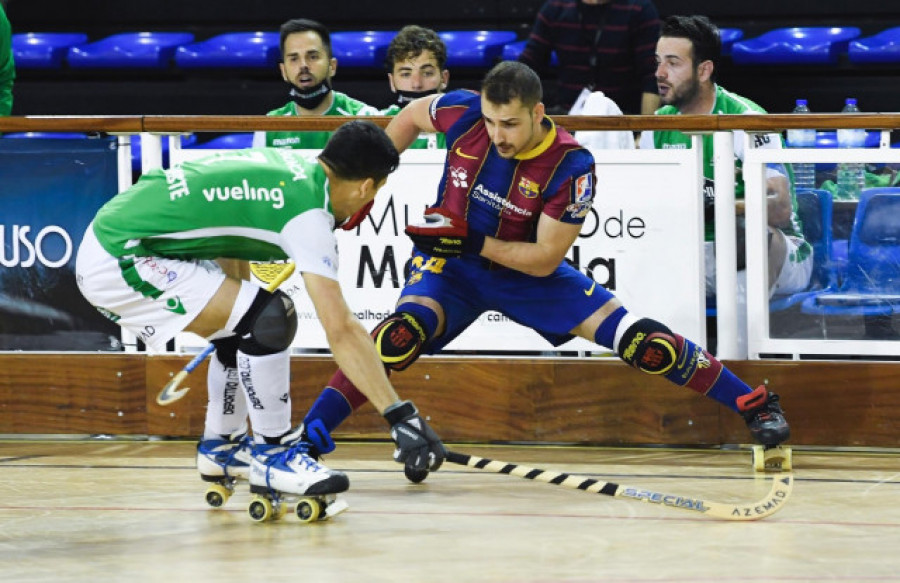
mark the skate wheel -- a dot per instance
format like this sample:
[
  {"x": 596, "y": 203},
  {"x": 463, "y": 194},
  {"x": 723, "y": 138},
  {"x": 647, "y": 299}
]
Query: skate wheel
[
  {"x": 217, "y": 495},
  {"x": 413, "y": 475},
  {"x": 260, "y": 509},
  {"x": 758, "y": 456},
  {"x": 308, "y": 509},
  {"x": 788, "y": 463},
  {"x": 779, "y": 458}
]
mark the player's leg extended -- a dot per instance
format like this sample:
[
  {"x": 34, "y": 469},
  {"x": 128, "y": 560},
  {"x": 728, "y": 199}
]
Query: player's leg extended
[
  {"x": 399, "y": 339},
  {"x": 652, "y": 348}
]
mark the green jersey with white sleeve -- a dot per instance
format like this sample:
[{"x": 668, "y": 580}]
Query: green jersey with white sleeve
[
  {"x": 726, "y": 103},
  {"x": 255, "y": 204},
  {"x": 341, "y": 104}
]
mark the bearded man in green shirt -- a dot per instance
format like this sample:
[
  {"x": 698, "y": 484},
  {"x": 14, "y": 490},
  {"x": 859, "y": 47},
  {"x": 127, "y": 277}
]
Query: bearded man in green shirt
[
  {"x": 308, "y": 66},
  {"x": 686, "y": 56}
]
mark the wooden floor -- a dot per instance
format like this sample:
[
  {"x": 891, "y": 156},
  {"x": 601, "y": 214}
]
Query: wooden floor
[{"x": 95, "y": 510}]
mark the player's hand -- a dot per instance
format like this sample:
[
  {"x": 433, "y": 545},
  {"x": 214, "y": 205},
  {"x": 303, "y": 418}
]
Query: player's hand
[
  {"x": 418, "y": 447},
  {"x": 444, "y": 234}
]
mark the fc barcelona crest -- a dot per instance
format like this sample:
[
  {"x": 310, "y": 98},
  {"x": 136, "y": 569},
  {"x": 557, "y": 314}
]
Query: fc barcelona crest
[{"x": 528, "y": 188}]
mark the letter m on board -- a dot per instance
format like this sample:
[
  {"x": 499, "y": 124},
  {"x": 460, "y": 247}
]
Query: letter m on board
[{"x": 367, "y": 264}]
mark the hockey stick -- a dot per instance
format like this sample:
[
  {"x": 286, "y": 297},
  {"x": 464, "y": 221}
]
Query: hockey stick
[
  {"x": 171, "y": 393},
  {"x": 767, "y": 506}
]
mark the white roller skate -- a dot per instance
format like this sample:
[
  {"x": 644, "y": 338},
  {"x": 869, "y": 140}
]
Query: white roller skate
[
  {"x": 286, "y": 472},
  {"x": 222, "y": 462}
]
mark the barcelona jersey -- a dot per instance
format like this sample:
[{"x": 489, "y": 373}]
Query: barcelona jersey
[{"x": 505, "y": 198}]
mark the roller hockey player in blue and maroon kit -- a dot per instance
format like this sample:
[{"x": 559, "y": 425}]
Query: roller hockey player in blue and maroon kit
[{"x": 512, "y": 200}]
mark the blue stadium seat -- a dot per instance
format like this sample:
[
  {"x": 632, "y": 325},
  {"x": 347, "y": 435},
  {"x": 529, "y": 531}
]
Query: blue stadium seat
[
  {"x": 152, "y": 50},
  {"x": 44, "y": 50},
  {"x": 883, "y": 47},
  {"x": 361, "y": 49},
  {"x": 233, "y": 49},
  {"x": 475, "y": 48},
  {"x": 815, "y": 209},
  {"x": 795, "y": 46},
  {"x": 187, "y": 141},
  {"x": 729, "y": 36},
  {"x": 226, "y": 142},
  {"x": 871, "y": 285},
  {"x": 47, "y": 135},
  {"x": 511, "y": 52},
  {"x": 828, "y": 139}
]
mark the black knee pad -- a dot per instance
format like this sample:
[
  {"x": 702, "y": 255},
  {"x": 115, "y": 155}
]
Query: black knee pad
[
  {"x": 269, "y": 325},
  {"x": 226, "y": 350},
  {"x": 399, "y": 340},
  {"x": 649, "y": 346}
]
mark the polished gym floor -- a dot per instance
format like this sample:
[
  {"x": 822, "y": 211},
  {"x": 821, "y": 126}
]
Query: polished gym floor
[{"x": 91, "y": 510}]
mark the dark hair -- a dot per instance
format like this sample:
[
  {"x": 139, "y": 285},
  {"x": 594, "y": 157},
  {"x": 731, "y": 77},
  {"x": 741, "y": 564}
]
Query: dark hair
[
  {"x": 306, "y": 25},
  {"x": 510, "y": 80},
  {"x": 360, "y": 149},
  {"x": 412, "y": 41},
  {"x": 706, "y": 42}
]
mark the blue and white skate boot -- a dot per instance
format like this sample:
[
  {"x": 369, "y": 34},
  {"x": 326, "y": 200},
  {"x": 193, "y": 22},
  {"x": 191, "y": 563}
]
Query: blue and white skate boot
[
  {"x": 222, "y": 462},
  {"x": 286, "y": 471}
]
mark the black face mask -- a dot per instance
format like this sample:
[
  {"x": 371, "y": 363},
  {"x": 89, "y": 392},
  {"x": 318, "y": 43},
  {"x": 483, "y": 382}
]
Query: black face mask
[
  {"x": 310, "y": 98},
  {"x": 404, "y": 97}
]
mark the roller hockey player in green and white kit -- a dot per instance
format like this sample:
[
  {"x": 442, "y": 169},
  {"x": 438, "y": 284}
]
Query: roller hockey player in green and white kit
[{"x": 146, "y": 263}]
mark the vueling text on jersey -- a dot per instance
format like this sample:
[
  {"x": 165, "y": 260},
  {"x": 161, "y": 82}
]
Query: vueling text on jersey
[{"x": 246, "y": 192}]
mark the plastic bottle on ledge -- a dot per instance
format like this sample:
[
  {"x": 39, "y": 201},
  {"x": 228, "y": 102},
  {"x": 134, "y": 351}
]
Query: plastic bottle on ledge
[
  {"x": 804, "y": 172},
  {"x": 851, "y": 176}
]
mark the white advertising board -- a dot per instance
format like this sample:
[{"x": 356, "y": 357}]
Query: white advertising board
[{"x": 642, "y": 240}]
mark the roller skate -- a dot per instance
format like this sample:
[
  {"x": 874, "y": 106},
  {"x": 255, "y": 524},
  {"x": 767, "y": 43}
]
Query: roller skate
[
  {"x": 285, "y": 472},
  {"x": 222, "y": 462},
  {"x": 765, "y": 419}
]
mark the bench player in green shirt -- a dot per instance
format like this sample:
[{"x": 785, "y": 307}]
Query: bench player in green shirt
[
  {"x": 416, "y": 62},
  {"x": 308, "y": 66},
  {"x": 7, "y": 65},
  {"x": 686, "y": 53},
  {"x": 146, "y": 263}
]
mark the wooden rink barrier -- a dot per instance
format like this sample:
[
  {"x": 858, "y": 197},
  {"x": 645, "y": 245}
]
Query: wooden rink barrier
[{"x": 585, "y": 401}]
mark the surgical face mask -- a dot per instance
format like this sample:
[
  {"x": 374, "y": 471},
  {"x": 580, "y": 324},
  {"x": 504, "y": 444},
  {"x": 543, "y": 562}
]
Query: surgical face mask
[
  {"x": 404, "y": 97},
  {"x": 312, "y": 97}
]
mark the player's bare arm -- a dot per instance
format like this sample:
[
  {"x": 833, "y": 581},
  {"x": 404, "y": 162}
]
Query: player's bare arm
[
  {"x": 412, "y": 119},
  {"x": 554, "y": 238},
  {"x": 350, "y": 343},
  {"x": 779, "y": 210}
]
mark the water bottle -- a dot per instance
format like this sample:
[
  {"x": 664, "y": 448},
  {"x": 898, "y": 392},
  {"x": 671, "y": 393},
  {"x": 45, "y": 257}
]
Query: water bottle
[
  {"x": 851, "y": 176},
  {"x": 804, "y": 172}
]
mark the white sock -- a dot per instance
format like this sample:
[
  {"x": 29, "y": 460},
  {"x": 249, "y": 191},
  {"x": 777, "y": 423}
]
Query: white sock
[
  {"x": 226, "y": 411},
  {"x": 266, "y": 383}
]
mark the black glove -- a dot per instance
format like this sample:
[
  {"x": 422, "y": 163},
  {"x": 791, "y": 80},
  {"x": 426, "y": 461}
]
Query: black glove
[
  {"x": 445, "y": 235},
  {"x": 418, "y": 447}
]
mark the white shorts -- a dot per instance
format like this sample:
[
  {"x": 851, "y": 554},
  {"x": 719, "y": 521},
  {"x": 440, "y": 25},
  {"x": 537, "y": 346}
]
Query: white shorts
[
  {"x": 794, "y": 276},
  {"x": 152, "y": 297}
]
